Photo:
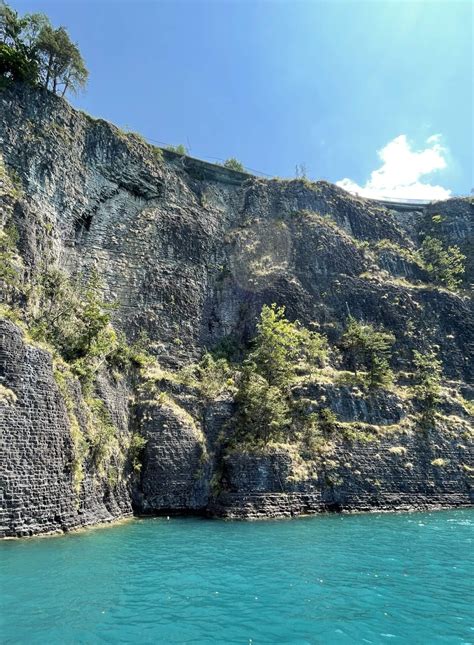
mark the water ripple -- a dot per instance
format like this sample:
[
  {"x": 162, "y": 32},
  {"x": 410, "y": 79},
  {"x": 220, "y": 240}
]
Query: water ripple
[{"x": 404, "y": 578}]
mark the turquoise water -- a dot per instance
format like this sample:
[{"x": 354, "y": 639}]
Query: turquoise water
[{"x": 401, "y": 578}]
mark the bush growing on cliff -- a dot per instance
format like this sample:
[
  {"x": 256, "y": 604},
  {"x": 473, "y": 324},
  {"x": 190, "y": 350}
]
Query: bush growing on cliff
[
  {"x": 214, "y": 375},
  {"x": 135, "y": 451},
  {"x": 368, "y": 348},
  {"x": 234, "y": 164},
  {"x": 428, "y": 370},
  {"x": 281, "y": 347},
  {"x": 74, "y": 318},
  {"x": 263, "y": 413},
  {"x": 279, "y": 350},
  {"x": 179, "y": 149},
  {"x": 32, "y": 51},
  {"x": 275, "y": 351},
  {"x": 11, "y": 265},
  {"x": 444, "y": 265},
  {"x": 327, "y": 421},
  {"x": 103, "y": 434}
]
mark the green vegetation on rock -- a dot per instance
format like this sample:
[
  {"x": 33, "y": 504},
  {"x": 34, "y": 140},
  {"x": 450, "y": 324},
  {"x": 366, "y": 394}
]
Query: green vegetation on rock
[
  {"x": 135, "y": 451},
  {"x": 445, "y": 265},
  {"x": 281, "y": 347},
  {"x": 179, "y": 149},
  {"x": 279, "y": 350},
  {"x": 428, "y": 370},
  {"x": 234, "y": 164},
  {"x": 31, "y": 50},
  {"x": 11, "y": 264},
  {"x": 368, "y": 347}
]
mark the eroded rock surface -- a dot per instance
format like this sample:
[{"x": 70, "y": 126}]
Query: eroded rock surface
[{"x": 191, "y": 252}]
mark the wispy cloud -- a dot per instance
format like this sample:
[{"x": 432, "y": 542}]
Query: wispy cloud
[{"x": 402, "y": 170}]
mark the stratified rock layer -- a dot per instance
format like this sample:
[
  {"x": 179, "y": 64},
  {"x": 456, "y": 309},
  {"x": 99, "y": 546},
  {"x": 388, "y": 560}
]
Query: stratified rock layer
[
  {"x": 37, "y": 490},
  {"x": 191, "y": 252}
]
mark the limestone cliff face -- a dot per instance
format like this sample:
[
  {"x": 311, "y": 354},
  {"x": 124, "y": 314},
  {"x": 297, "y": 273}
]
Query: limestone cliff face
[
  {"x": 191, "y": 252},
  {"x": 37, "y": 450}
]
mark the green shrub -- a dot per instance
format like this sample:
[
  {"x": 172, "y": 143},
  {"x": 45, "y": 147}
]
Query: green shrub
[
  {"x": 428, "y": 370},
  {"x": 234, "y": 164},
  {"x": 229, "y": 348},
  {"x": 103, "y": 434},
  {"x": 11, "y": 265},
  {"x": 370, "y": 348},
  {"x": 408, "y": 254},
  {"x": 80, "y": 445},
  {"x": 281, "y": 346},
  {"x": 311, "y": 435},
  {"x": 263, "y": 413},
  {"x": 157, "y": 153},
  {"x": 327, "y": 421},
  {"x": 444, "y": 265},
  {"x": 74, "y": 318},
  {"x": 214, "y": 375},
  {"x": 135, "y": 451},
  {"x": 179, "y": 149},
  {"x": 126, "y": 353}
]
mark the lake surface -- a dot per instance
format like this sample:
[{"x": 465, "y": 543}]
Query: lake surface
[{"x": 395, "y": 578}]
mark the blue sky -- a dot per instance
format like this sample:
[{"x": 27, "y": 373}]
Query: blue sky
[{"x": 344, "y": 87}]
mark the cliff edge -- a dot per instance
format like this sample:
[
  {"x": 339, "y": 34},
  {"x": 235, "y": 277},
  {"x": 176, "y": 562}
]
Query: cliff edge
[{"x": 189, "y": 253}]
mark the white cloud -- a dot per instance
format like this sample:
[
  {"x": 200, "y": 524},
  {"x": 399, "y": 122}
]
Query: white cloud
[{"x": 402, "y": 170}]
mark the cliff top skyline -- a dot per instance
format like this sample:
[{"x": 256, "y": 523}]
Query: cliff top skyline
[{"x": 373, "y": 96}]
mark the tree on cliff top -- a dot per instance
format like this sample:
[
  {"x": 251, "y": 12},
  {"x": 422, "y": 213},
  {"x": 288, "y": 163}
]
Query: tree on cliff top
[{"x": 32, "y": 51}]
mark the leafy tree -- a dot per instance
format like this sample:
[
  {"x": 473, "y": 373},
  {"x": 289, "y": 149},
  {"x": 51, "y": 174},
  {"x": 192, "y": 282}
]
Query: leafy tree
[
  {"x": 179, "y": 149},
  {"x": 11, "y": 25},
  {"x": 275, "y": 351},
  {"x": 279, "y": 349},
  {"x": 61, "y": 64},
  {"x": 31, "y": 50},
  {"x": 234, "y": 164},
  {"x": 281, "y": 346},
  {"x": 17, "y": 56},
  {"x": 428, "y": 370},
  {"x": 263, "y": 413},
  {"x": 367, "y": 347},
  {"x": 444, "y": 265}
]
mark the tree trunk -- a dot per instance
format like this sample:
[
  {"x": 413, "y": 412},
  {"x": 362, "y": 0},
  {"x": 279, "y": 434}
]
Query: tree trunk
[
  {"x": 48, "y": 71},
  {"x": 66, "y": 84}
]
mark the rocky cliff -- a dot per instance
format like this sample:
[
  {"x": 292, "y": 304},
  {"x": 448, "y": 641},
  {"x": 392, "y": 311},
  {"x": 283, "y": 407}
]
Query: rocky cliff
[{"x": 190, "y": 252}]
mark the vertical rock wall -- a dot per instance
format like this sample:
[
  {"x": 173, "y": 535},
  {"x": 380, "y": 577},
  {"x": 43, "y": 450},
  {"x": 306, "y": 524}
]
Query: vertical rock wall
[{"x": 37, "y": 491}]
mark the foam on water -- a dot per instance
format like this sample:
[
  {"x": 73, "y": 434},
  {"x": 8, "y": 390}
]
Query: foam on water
[{"x": 328, "y": 579}]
